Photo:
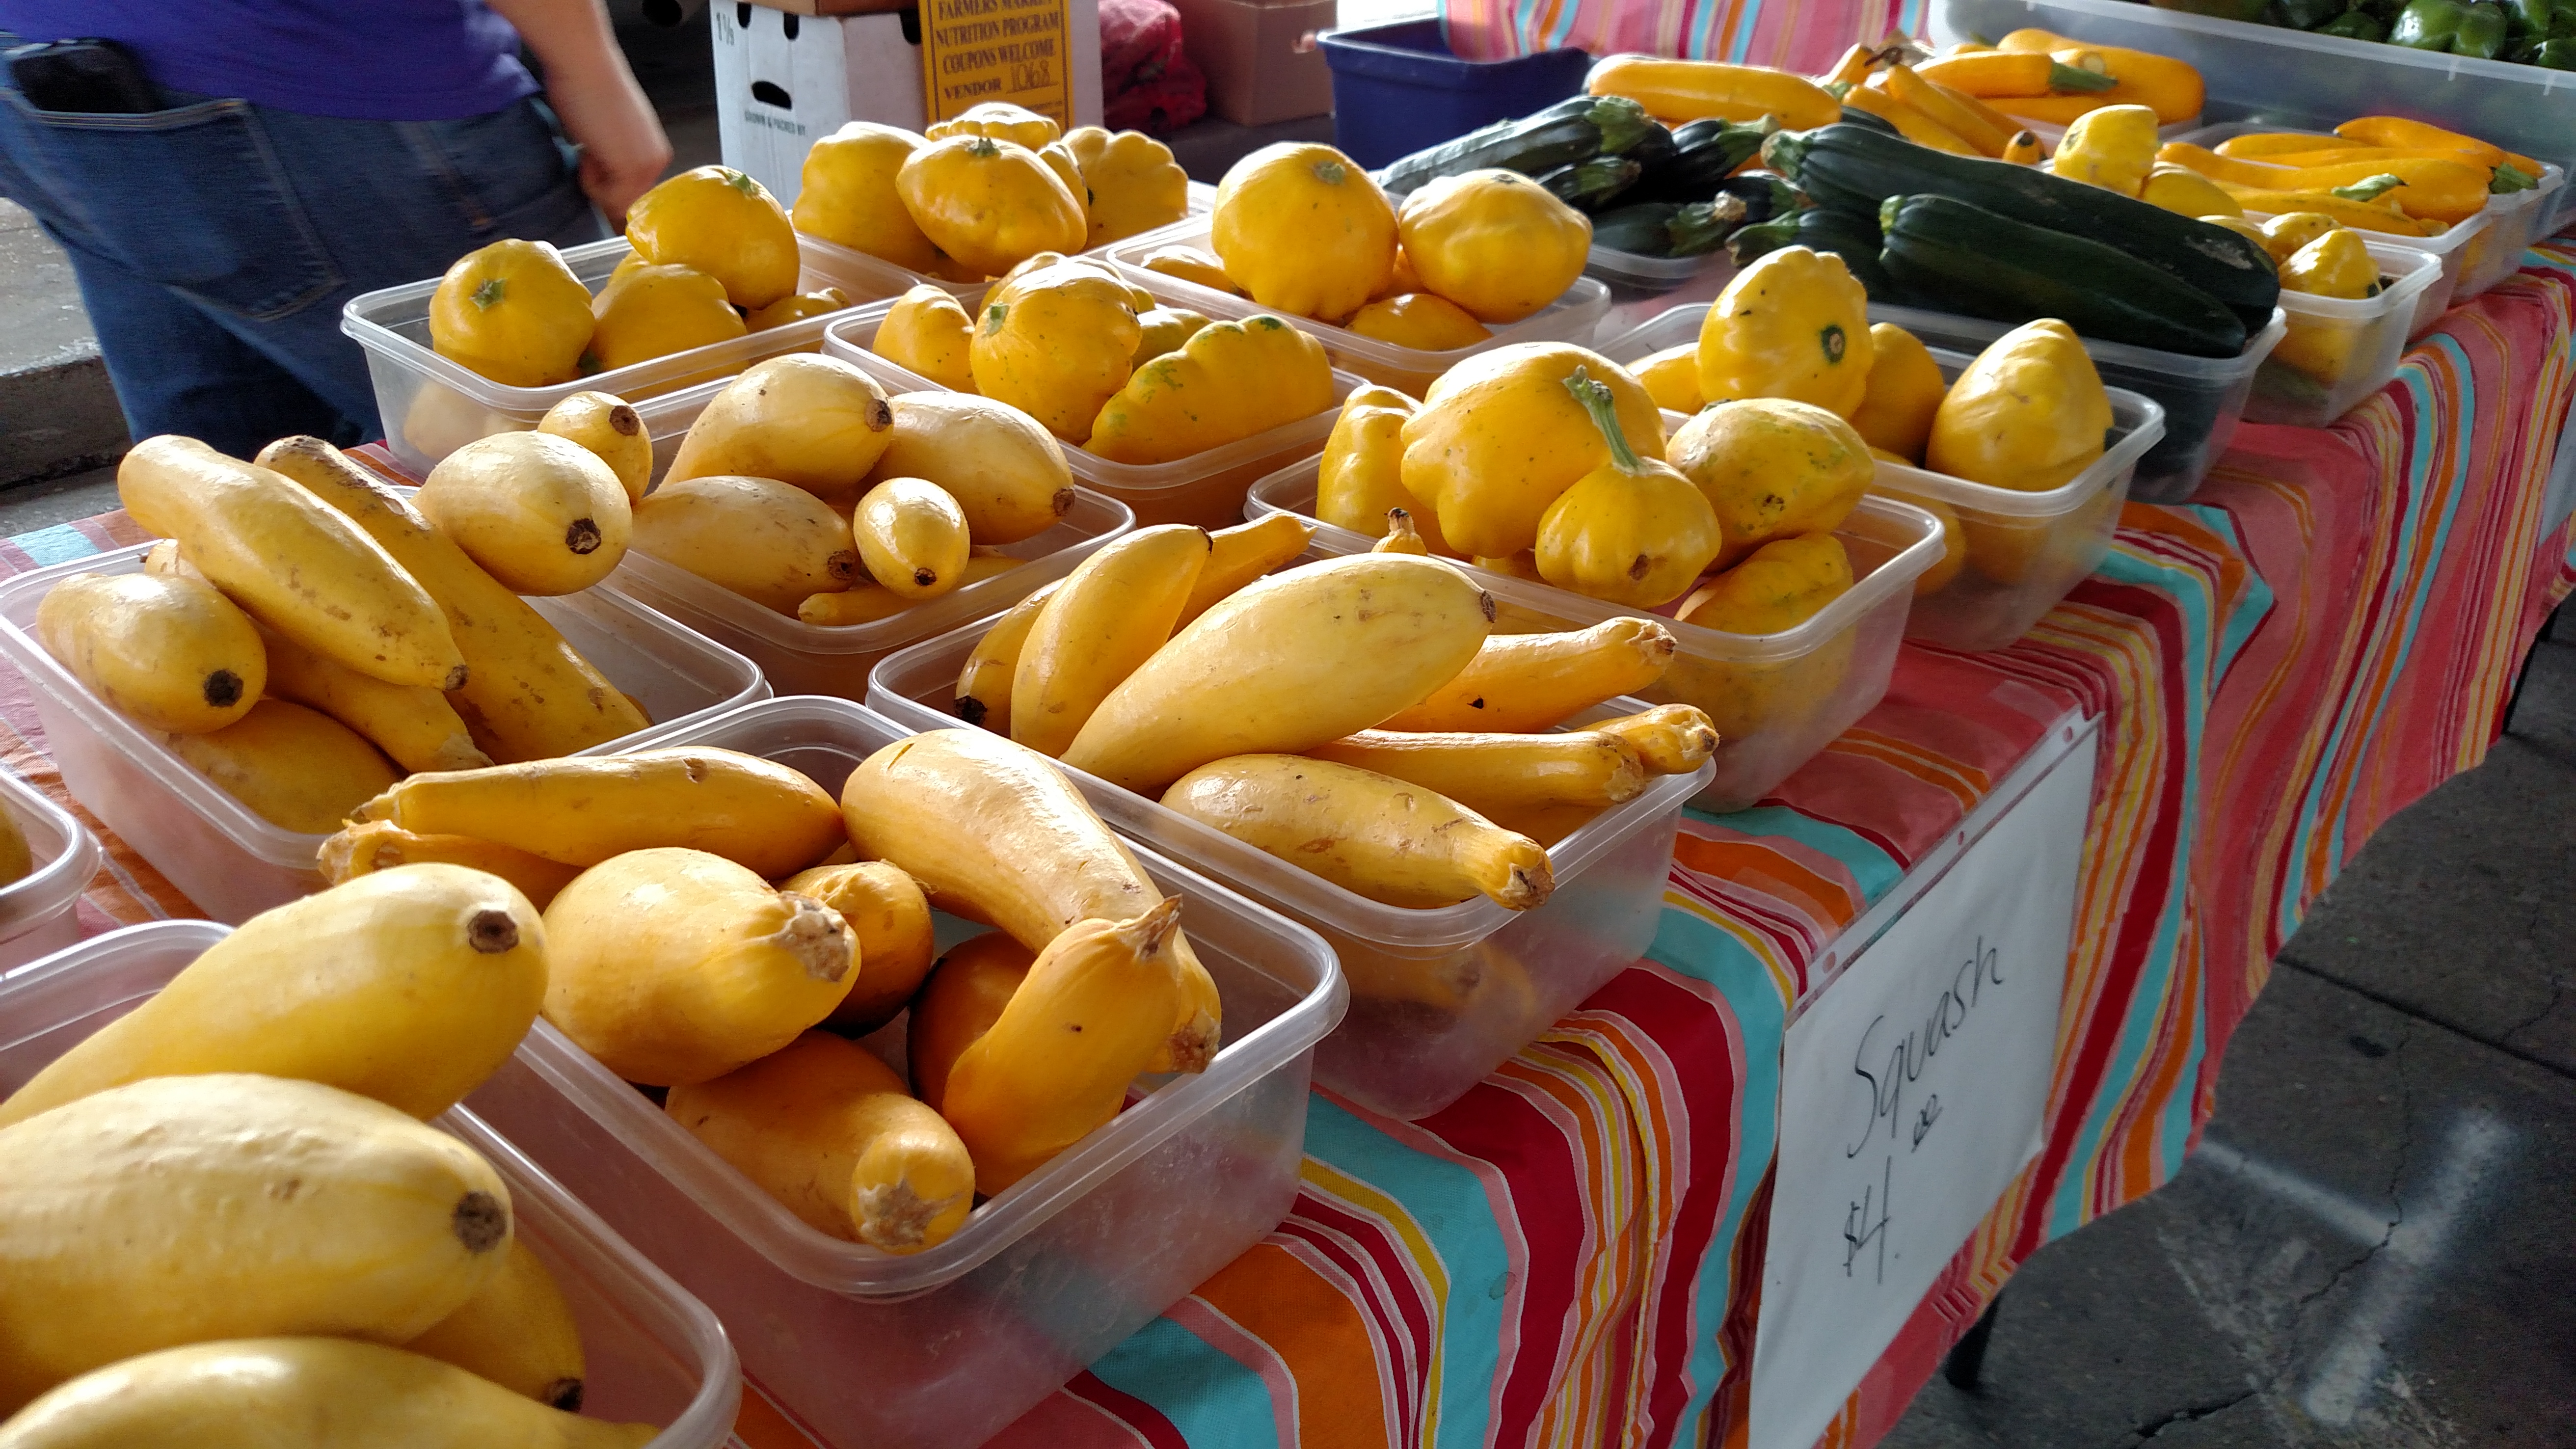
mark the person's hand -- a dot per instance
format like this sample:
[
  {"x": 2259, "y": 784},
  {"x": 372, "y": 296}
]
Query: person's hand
[{"x": 603, "y": 110}]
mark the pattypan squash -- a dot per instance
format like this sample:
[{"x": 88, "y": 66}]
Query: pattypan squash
[
  {"x": 2113, "y": 147},
  {"x": 1304, "y": 229},
  {"x": 989, "y": 203},
  {"x": 1165, "y": 329},
  {"x": 1772, "y": 469},
  {"x": 1363, "y": 470},
  {"x": 1420, "y": 320},
  {"x": 1781, "y": 586},
  {"x": 2186, "y": 192},
  {"x": 1905, "y": 389},
  {"x": 1671, "y": 377},
  {"x": 2337, "y": 264},
  {"x": 1499, "y": 437},
  {"x": 1630, "y": 531},
  {"x": 929, "y": 332},
  {"x": 2029, "y": 414},
  {"x": 796, "y": 307},
  {"x": 1795, "y": 324},
  {"x": 1137, "y": 297},
  {"x": 2284, "y": 234},
  {"x": 721, "y": 222},
  {"x": 1495, "y": 242},
  {"x": 847, "y": 196},
  {"x": 1000, "y": 120},
  {"x": 1056, "y": 344},
  {"x": 512, "y": 312},
  {"x": 656, "y": 311},
  {"x": 1228, "y": 382},
  {"x": 1069, "y": 171},
  {"x": 1135, "y": 184},
  {"x": 1191, "y": 265}
]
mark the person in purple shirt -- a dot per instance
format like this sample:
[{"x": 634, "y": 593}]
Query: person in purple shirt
[{"x": 276, "y": 158}]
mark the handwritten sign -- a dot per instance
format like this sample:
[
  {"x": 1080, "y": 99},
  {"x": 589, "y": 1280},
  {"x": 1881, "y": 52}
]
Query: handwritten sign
[
  {"x": 973, "y": 51},
  {"x": 1911, "y": 1094}
]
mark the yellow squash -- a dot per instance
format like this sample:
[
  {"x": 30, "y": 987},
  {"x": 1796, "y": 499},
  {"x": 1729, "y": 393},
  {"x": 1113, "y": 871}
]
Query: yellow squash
[
  {"x": 815, "y": 423},
  {"x": 846, "y": 196},
  {"x": 1522, "y": 682},
  {"x": 1629, "y": 531},
  {"x": 1494, "y": 242},
  {"x": 1793, "y": 325},
  {"x": 1499, "y": 436},
  {"x": 1109, "y": 616},
  {"x": 1401, "y": 536},
  {"x": 610, "y": 429},
  {"x": 912, "y": 537},
  {"x": 1164, "y": 329},
  {"x": 995, "y": 833},
  {"x": 719, "y": 221},
  {"x": 1000, "y": 120},
  {"x": 774, "y": 545},
  {"x": 2113, "y": 148},
  {"x": 1135, "y": 184},
  {"x": 2337, "y": 264},
  {"x": 1671, "y": 377},
  {"x": 290, "y": 562},
  {"x": 989, "y": 203},
  {"x": 2186, "y": 192},
  {"x": 1780, "y": 587},
  {"x": 1392, "y": 842},
  {"x": 169, "y": 653},
  {"x": 1056, "y": 343},
  {"x": 1362, "y": 474},
  {"x": 829, "y": 1131},
  {"x": 1238, "y": 555},
  {"x": 1904, "y": 391},
  {"x": 1497, "y": 772},
  {"x": 583, "y": 811},
  {"x": 928, "y": 332},
  {"x": 1285, "y": 664},
  {"x": 964, "y": 997},
  {"x": 674, "y": 966},
  {"x": 512, "y": 312},
  {"x": 1090, "y": 1016},
  {"x": 1670, "y": 739},
  {"x": 889, "y": 917},
  {"x": 418, "y": 729},
  {"x": 984, "y": 685},
  {"x": 527, "y": 693},
  {"x": 797, "y": 307},
  {"x": 2285, "y": 233},
  {"x": 517, "y": 1332},
  {"x": 1305, "y": 229},
  {"x": 293, "y": 767},
  {"x": 409, "y": 986},
  {"x": 1422, "y": 321},
  {"x": 1675, "y": 91},
  {"x": 365, "y": 849},
  {"x": 181, "y": 1209},
  {"x": 541, "y": 514},
  {"x": 655, "y": 311},
  {"x": 1230, "y": 381},
  {"x": 2029, "y": 414},
  {"x": 299, "y": 1393},
  {"x": 1772, "y": 469},
  {"x": 1191, "y": 265}
]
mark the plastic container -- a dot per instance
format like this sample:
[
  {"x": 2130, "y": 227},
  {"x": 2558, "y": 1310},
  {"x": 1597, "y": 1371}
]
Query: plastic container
[
  {"x": 1399, "y": 88},
  {"x": 2201, "y": 398},
  {"x": 654, "y": 1354},
  {"x": 1776, "y": 699},
  {"x": 38, "y": 910},
  {"x": 2313, "y": 81},
  {"x": 942, "y": 1348},
  {"x": 230, "y": 862},
  {"x": 1205, "y": 488},
  {"x": 2338, "y": 352},
  {"x": 1643, "y": 288},
  {"x": 1573, "y": 317},
  {"x": 1202, "y": 200},
  {"x": 430, "y": 406}
]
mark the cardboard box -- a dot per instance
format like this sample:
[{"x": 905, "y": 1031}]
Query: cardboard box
[
  {"x": 784, "y": 81},
  {"x": 1261, "y": 61}
]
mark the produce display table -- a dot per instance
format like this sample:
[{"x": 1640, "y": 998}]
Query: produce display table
[{"x": 1570, "y": 1253}]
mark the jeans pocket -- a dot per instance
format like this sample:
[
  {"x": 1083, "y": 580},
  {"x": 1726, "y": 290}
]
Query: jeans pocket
[
  {"x": 499, "y": 167},
  {"x": 192, "y": 198}
]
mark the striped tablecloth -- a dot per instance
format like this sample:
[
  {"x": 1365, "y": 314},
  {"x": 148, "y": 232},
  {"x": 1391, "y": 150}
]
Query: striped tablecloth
[{"x": 1569, "y": 1255}]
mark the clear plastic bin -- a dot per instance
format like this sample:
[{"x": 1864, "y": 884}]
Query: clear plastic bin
[
  {"x": 232, "y": 863},
  {"x": 431, "y": 406},
  {"x": 2338, "y": 352},
  {"x": 1439, "y": 998},
  {"x": 2201, "y": 398},
  {"x": 37, "y": 910},
  {"x": 1573, "y": 317},
  {"x": 1204, "y": 488},
  {"x": 655, "y": 1355},
  {"x": 940, "y": 1349},
  {"x": 1776, "y": 699},
  {"x": 2312, "y": 81},
  {"x": 1643, "y": 288}
]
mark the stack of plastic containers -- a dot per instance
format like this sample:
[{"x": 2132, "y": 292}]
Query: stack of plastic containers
[
  {"x": 654, "y": 1354},
  {"x": 37, "y": 910},
  {"x": 942, "y": 1348},
  {"x": 431, "y": 406},
  {"x": 2338, "y": 350},
  {"x": 234, "y": 864},
  {"x": 1205, "y": 488}
]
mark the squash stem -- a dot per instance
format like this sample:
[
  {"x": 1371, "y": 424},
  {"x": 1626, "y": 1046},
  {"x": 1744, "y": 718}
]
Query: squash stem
[{"x": 1595, "y": 397}]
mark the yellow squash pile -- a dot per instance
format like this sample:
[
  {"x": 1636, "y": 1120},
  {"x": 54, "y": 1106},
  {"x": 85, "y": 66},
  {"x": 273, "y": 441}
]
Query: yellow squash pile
[
  {"x": 303, "y": 636},
  {"x": 2381, "y": 174},
  {"x": 224, "y": 1220},
  {"x": 1357, "y": 717},
  {"x": 807, "y": 490}
]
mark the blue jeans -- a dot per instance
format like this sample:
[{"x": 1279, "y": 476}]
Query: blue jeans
[{"x": 216, "y": 242}]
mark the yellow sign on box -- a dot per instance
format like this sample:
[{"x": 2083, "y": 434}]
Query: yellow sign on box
[{"x": 974, "y": 51}]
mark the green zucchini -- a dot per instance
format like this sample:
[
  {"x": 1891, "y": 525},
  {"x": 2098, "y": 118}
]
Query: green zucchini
[
  {"x": 1850, "y": 168},
  {"x": 1972, "y": 260},
  {"x": 1855, "y": 239},
  {"x": 1567, "y": 132},
  {"x": 1588, "y": 184},
  {"x": 1668, "y": 229},
  {"x": 1854, "y": 116},
  {"x": 1763, "y": 194},
  {"x": 1705, "y": 153}
]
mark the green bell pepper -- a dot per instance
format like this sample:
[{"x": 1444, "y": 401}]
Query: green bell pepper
[
  {"x": 2483, "y": 32},
  {"x": 2557, "y": 54},
  {"x": 2309, "y": 14},
  {"x": 2477, "y": 29},
  {"x": 2355, "y": 25}
]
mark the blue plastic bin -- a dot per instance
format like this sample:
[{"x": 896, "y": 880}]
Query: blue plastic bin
[{"x": 1398, "y": 88}]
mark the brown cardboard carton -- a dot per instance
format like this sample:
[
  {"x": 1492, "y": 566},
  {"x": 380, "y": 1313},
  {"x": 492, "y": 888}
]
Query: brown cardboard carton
[{"x": 1261, "y": 61}]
